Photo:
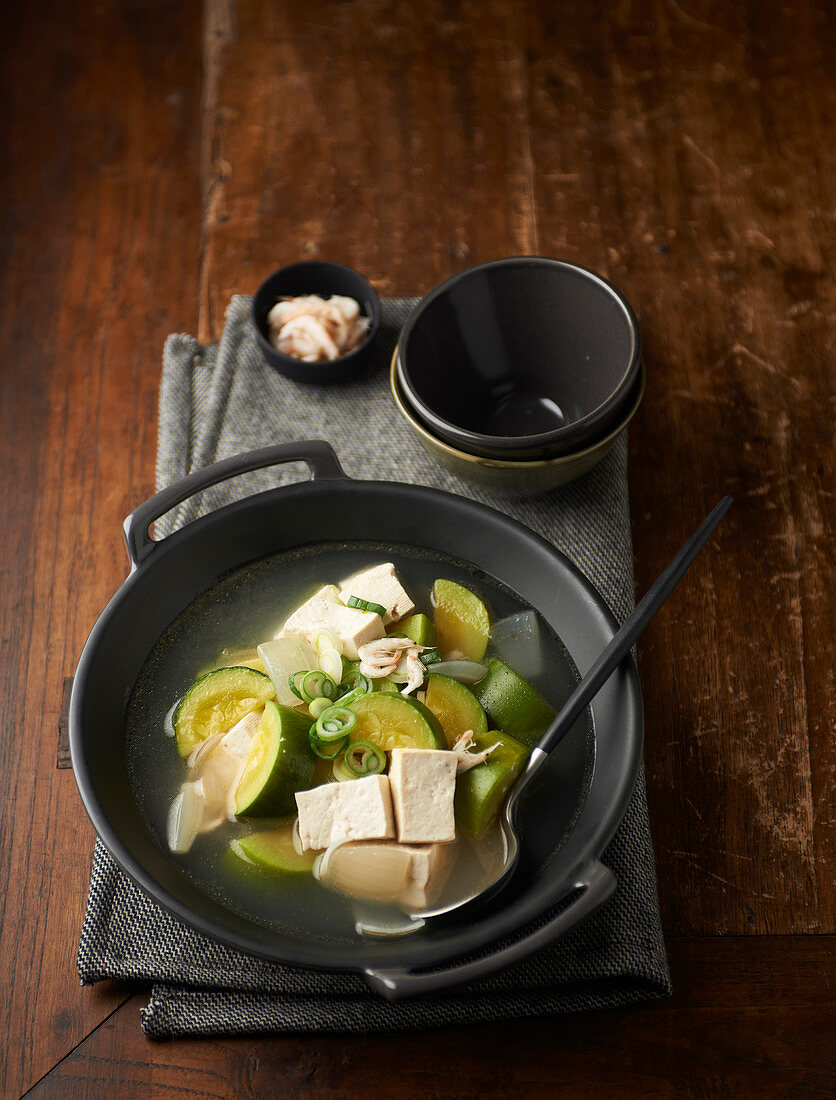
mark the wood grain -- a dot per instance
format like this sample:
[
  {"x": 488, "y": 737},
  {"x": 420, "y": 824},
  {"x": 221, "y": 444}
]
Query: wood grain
[
  {"x": 159, "y": 158},
  {"x": 692, "y": 187},
  {"x": 101, "y": 249},
  {"x": 728, "y": 1032},
  {"x": 335, "y": 132}
]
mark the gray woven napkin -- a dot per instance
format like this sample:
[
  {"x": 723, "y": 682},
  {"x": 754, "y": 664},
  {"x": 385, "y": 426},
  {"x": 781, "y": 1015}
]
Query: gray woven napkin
[{"x": 218, "y": 401}]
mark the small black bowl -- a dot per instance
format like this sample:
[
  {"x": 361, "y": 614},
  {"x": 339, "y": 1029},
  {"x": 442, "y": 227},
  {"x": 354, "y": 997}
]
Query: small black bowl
[
  {"x": 525, "y": 357},
  {"x": 315, "y": 277}
]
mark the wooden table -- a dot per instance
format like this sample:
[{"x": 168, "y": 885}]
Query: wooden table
[{"x": 161, "y": 156}]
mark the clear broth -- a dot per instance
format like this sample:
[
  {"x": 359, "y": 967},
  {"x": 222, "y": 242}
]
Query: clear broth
[{"x": 242, "y": 610}]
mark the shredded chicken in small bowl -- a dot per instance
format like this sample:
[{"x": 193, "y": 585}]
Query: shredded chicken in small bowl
[{"x": 316, "y": 329}]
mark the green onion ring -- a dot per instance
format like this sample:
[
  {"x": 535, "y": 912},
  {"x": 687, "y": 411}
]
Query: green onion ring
[
  {"x": 354, "y": 679},
  {"x": 319, "y": 706},
  {"x": 339, "y": 770},
  {"x": 354, "y": 685},
  {"x": 363, "y": 758},
  {"x": 292, "y": 683},
  {"x": 327, "y": 750},
  {"x": 316, "y": 685},
  {"x": 335, "y": 722},
  {"x": 430, "y": 657},
  {"x": 349, "y": 697}
]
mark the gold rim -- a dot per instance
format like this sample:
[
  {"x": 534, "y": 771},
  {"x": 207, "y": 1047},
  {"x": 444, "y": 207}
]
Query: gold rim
[{"x": 507, "y": 464}]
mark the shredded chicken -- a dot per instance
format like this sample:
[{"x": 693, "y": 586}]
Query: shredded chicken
[
  {"x": 387, "y": 655},
  {"x": 465, "y": 760},
  {"x": 316, "y": 329},
  {"x": 414, "y": 669},
  {"x": 380, "y": 658}
]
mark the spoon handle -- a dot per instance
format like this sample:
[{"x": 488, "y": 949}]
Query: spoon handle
[{"x": 630, "y": 630}]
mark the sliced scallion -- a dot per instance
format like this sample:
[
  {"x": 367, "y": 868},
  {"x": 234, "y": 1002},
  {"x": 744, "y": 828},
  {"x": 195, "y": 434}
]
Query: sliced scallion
[
  {"x": 366, "y": 605},
  {"x": 319, "y": 706},
  {"x": 354, "y": 680},
  {"x": 327, "y": 750},
  {"x": 363, "y": 758},
  {"x": 330, "y": 733},
  {"x": 294, "y": 687},
  {"x": 334, "y": 722},
  {"x": 354, "y": 685},
  {"x": 429, "y": 657},
  {"x": 350, "y": 696},
  {"x": 316, "y": 684},
  {"x": 329, "y": 654},
  {"x": 388, "y": 686},
  {"x": 339, "y": 770}
]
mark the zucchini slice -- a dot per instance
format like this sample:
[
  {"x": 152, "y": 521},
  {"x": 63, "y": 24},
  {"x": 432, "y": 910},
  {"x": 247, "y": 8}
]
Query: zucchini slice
[
  {"x": 455, "y": 706},
  {"x": 512, "y": 704},
  {"x": 215, "y": 702},
  {"x": 273, "y": 850},
  {"x": 395, "y": 721},
  {"x": 280, "y": 762},
  {"x": 481, "y": 791}
]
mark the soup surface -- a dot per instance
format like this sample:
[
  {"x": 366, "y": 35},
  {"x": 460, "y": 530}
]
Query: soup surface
[{"x": 248, "y": 607}]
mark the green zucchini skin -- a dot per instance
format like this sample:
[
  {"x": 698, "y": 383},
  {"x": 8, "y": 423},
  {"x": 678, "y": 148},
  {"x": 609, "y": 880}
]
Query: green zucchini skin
[
  {"x": 267, "y": 788},
  {"x": 481, "y": 792},
  {"x": 512, "y": 704}
]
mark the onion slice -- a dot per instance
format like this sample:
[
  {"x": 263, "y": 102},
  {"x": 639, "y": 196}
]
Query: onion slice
[
  {"x": 516, "y": 641},
  {"x": 185, "y": 816},
  {"x": 466, "y": 672}
]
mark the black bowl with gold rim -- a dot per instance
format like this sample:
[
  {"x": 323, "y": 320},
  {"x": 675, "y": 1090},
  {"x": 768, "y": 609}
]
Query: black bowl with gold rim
[
  {"x": 518, "y": 476},
  {"x": 525, "y": 357}
]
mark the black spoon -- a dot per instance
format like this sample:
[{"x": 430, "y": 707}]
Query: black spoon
[{"x": 585, "y": 691}]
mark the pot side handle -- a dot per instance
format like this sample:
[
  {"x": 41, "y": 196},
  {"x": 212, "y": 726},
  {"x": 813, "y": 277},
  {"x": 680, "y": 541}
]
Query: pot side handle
[
  {"x": 597, "y": 883},
  {"x": 318, "y": 455}
]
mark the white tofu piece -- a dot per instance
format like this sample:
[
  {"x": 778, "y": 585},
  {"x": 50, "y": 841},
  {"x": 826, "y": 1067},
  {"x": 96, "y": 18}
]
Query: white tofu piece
[
  {"x": 379, "y": 584},
  {"x": 325, "y": 609},
  {"x": 423, "y": 783},
  {"x": 360, "y": 809},
  {"x": 428, "y": 873}
]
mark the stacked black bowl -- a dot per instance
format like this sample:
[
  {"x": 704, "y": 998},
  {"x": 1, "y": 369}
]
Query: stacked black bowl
[{"x": 520, "y": 373}]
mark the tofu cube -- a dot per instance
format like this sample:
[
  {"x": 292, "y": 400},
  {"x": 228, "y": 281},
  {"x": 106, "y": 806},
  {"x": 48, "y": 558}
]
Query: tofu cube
[
  {"x": 423, "y": 783},
  {"x": 379, "y": 584},
  {"x": 428, "y": 874},
  {"x": 325, "y": 609},
  {"x": 360, "y": 809}
]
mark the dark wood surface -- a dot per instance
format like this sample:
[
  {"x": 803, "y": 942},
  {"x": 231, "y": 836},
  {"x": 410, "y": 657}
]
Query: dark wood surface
[{"x": 159, "y": 157}]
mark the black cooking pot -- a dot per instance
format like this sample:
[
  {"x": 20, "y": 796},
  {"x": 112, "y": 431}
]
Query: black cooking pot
[{"x": 566, "y": 818}]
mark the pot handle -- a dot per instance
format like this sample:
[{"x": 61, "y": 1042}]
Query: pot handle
[
  {"x": 319, "y": 456},
  {"x": 595, "y": 880}
]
